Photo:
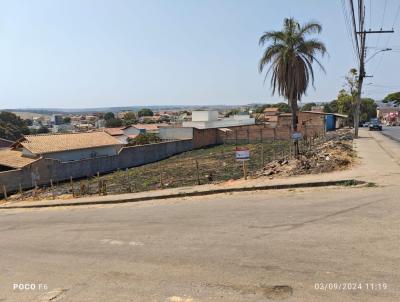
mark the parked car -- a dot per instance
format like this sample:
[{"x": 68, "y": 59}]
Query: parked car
[
  {"x": 375, "y": 124},
  {"x": 366, "y": 124}
]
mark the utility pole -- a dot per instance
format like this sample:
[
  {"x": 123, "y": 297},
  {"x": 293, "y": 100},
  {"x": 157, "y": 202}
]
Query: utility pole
[{"x": 362, "y": 34}]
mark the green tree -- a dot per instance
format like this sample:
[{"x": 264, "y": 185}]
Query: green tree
[
  {"x": 232, "y": 112},
  {"x": 367, "y": 109},
  {"x": 291, "y": 56},
  {"x": 392, "y": 97},
  {"x": 145, "y": 112},
  {"x": 12, "y": 127},
  {"x": 331, "y": 107},
  {"x": 28, "y": 122},
  {"x": 109, "y": 116},
  {"x": 67, "y": 120},
  {"x": 42, "y": 130},
  {"x": 308, "y": 106},
  {"x": 144, "y": 139},
  {"x": 129, "y": 118},
  {"x": 130, "y": 115},
  {"x": 113, "y": 123}
]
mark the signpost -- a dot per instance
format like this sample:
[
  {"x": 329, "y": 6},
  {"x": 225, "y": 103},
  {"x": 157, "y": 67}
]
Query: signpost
[
  {"x": 243, "y": 155},
  {"x": 296, "y": 136}
]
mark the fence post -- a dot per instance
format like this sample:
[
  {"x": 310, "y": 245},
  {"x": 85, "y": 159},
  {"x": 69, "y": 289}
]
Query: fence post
[
  {"x": 161, "y": 178},
  {"x": 81, "y": 188},
  {"x": 128, "y": 180},
  {"x": 98, "y": 183},
  {"x": 72, "y": 186},
  {"x": 104, "y": 187},
  {"x": 5, "y": 192},
  {"x": 88, "y": 186},
  {"x": 20, "y": 189},
  {"x": 52, "y": 189},
  {"x": 262, "y": 156},
  {"x": 197, "y": 172}
]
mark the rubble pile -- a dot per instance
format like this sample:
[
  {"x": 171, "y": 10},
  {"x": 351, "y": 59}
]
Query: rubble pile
[{"x": 334, "y": 152}]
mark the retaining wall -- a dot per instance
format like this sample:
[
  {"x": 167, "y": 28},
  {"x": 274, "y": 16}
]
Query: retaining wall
[{"x": 40, "y": 172}]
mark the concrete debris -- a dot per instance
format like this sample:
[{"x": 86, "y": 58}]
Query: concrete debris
[{"x": 334, "y": 152}]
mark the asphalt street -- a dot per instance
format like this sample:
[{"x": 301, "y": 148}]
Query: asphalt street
[
  {"x": 325, "y": 244},
  {"x": 292, "y": 245},
  {"x": 393, "y": 132}
]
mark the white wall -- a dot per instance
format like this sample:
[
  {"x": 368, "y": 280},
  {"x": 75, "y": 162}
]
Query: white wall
[
  {"x": 204, "y": 115},
  {"x": 175, "y": 133},
  {"x": 83, "y": 153},
  {"x": 224, "y": 123}
]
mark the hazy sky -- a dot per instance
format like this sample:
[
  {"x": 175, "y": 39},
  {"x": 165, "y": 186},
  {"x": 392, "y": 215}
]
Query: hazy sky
[{"x": 95, "y": 53}]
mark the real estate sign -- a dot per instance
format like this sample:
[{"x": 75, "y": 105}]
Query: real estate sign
[
  {"x": 242, "y": 154},
  {"x": 296, "y": 136}
]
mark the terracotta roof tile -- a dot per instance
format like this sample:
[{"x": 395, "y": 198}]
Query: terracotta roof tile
[
  {"x": 14, "y": 159},
  {"x": 115, "y": 131},
  {"x": 49, "y": 143},
  {"x": 147, "y": 127}
]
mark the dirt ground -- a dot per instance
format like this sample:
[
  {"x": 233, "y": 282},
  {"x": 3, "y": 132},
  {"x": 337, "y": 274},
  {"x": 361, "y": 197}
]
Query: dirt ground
[
  {"x": 335, "y": 152},
  {"x": 211, "y": 165}
]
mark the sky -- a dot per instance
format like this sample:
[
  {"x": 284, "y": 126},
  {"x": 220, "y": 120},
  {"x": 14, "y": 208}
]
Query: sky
[{"x": 102, "y": 53}]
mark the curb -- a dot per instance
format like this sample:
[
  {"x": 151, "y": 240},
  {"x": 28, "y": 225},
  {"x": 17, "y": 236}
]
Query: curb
[
  {"x": 344, "y": 182},
  {"x": 391, "y": 137}
]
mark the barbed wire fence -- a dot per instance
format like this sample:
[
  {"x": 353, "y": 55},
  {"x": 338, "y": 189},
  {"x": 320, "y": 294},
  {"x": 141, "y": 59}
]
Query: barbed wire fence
[{"x": 186, "y": 169}]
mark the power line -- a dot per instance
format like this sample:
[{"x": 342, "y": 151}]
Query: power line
[
  {"x": 354, "y": 27},
  {"x": 387, "y": 40},
  {"x": 349, "y": 28},
  {"x": 361, "y": 33}
]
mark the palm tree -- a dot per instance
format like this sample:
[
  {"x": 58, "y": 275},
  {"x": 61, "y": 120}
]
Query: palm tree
[{"x": 290, "y": 57}]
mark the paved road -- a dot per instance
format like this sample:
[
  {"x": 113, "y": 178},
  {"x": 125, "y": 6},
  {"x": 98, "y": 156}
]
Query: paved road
[
  {"x": 257, "y": 246},
  {"x": 393, "y": 132}
]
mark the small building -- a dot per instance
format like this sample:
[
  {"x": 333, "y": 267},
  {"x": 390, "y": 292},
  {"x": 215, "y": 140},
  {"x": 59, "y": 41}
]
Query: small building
[
  {"x": 388, "y": 115},
  {"x": 122, "y": 134},
  {"x": 13, "y": 159},
  {"x": 63, "y": 128},
  {"x": 67, "y": 147},
  {"x": 271, "y": 115},
  {"x": 205, "y": 119},
  {"x": 149, "y": 128},
  {"x": 57, "y": 119}
]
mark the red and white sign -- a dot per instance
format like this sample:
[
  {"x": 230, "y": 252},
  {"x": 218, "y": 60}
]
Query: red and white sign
[{"x": 242, "y": 154}]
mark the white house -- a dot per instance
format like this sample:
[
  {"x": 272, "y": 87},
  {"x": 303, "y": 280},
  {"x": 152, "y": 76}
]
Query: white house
[{"x": 209, "y": 119}]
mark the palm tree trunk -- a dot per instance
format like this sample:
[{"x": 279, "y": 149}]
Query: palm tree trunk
[{"x": 293, "y": 106}]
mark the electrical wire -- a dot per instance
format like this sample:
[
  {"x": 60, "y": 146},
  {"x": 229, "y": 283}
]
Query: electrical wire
[
  {"x": 388, "y": 39},
  {"x": 349, "y": 28}
]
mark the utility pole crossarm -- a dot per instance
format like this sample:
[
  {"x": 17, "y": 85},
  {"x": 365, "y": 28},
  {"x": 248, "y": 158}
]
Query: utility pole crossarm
[{"x": 375, "y": 32}]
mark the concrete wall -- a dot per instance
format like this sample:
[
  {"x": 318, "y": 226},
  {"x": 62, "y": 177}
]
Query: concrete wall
[
  {"x": 74, "y": 155},
  {"x": 41, "y": 171},
  {"x": 204, "y": 115},
  {"x": 223, "y": 123},
  {"x": 176, "y": 133}
]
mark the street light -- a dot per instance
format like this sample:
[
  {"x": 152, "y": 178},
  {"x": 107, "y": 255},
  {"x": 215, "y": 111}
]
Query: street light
[{"x": 382, "y": 50}]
